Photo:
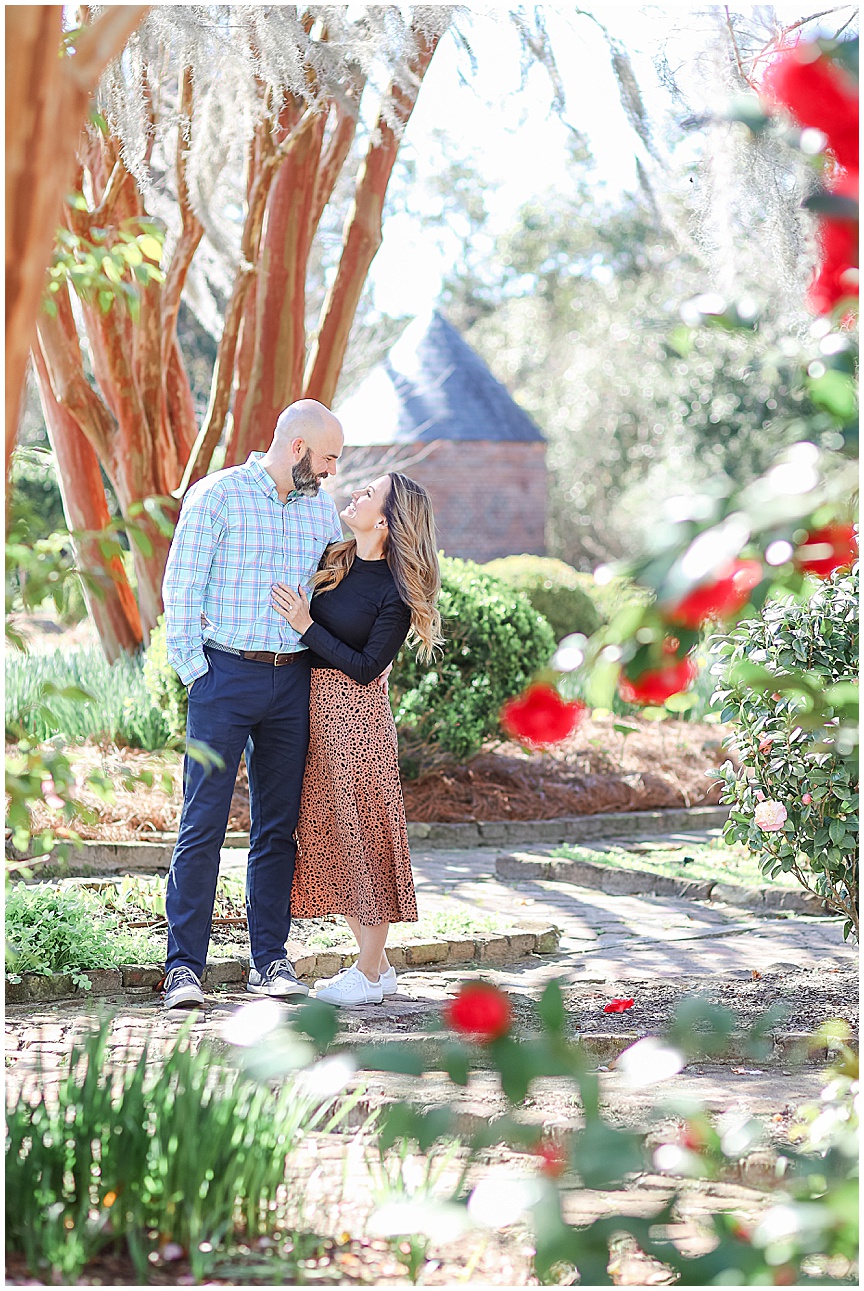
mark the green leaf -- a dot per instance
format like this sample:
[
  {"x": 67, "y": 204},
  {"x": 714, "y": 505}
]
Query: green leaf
[
  {"x": 317, "y": 1020},
  {"x": 402, "y": 1058},
  {"x": 151, "y": 247},
  {"x": 834, "y": 391},
  {"x": 832, "y": 204},
  {"x": 551, "y": 1008}
]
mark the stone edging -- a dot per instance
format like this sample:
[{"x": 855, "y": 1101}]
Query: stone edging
[
  {"x": 604, "y": 1048},
  {"x": 96, "y": 857},
  {"x": 623, "y": 882},
  {"x": 142, "y": 979}
]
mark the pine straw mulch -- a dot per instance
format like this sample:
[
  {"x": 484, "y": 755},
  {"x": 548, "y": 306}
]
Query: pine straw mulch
[{"x": 660, "y": 764}]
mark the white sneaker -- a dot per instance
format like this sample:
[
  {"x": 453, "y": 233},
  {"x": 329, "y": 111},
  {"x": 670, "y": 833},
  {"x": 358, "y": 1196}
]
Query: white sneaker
[
  {"x": 387, "y": 980},
  {"x": 351, "y": 987}
]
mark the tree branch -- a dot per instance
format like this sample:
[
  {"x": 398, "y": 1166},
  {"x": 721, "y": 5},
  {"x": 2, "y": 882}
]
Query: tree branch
[
  {"x": 335, "y": 154},
  {"x": 362, "y": 236},
  {"x": 102, "y": 41},
  {"x": 61, "y": 350},
  {"x": 192, "y": 228},
  {"x": 223, "y": 371}
]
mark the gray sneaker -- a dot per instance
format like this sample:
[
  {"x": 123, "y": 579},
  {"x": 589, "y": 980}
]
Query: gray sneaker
[
  {"x": 181, "y": 989},
  {"x": 279, "y": 980}
]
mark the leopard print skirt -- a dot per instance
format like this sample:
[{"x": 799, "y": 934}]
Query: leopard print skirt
[{"x": 352, "y": 844}]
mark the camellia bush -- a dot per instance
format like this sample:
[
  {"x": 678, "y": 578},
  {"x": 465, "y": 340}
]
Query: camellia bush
[
  {"x": 494, "y": 642},
  {"x": 795, "y": 795}
]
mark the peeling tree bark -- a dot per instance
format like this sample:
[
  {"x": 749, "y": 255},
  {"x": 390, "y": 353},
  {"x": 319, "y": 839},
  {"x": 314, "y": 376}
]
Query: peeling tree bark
[
  {"x": 110, "y": 601},
  {"x": 46, "y": 104}
]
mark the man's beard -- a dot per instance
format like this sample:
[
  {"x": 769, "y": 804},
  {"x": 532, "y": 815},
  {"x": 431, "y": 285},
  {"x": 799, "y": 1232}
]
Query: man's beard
[{"x": 305, "y": 479}]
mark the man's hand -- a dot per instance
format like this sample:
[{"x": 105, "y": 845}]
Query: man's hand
[{"x": 293, "y": 606}]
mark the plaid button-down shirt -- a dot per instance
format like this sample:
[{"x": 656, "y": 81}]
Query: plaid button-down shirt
[{"x": 235, "y": 539}]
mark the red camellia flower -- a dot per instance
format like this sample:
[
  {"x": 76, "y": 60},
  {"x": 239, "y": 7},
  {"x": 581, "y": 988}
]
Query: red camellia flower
[
  {"x": 719, "y": 599},
  {"x": 824, "y": 550},
  {"x": 540, "y": 716},
  {"x": 480, "y": 1011},
  {"x": 553, "y": 1158},
  {"x": 836, "y": 278},
  {"x": 656, "y": 684},
  {"x": 820, "y": 96},
  {"x": 618, "y": 1006}
]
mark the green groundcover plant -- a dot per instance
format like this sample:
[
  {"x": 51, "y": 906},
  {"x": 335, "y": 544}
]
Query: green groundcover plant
[
  {"x": 69, "y": 930},
  {"x": 91, "y": 699},
  {"x": 794, "y": 796}
]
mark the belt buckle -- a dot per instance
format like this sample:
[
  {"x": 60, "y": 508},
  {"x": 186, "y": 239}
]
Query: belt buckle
[{"x": 279, "y": 660}]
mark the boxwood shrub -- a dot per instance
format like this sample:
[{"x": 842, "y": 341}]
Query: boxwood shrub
[
  {"x": 555, "y": 590},
  {"x": 810, "y": 771},
  {"x": 495, "y": 641}
]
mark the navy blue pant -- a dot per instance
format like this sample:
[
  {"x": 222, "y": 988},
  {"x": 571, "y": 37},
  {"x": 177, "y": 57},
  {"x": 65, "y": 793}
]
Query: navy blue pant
[{"x": 240, "y": 704}]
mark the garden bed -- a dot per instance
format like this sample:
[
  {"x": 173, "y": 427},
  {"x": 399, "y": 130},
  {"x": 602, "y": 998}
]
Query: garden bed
[{"x": 600, "y": 769}]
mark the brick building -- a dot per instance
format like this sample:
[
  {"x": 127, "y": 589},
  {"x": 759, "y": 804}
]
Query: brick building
[{"x": 433, "y": 410}]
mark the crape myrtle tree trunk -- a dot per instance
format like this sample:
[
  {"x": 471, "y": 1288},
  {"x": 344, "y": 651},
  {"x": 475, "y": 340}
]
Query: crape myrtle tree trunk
[
  {"x": 226, "y": 130},
  {"x": 49, "y": 82}
]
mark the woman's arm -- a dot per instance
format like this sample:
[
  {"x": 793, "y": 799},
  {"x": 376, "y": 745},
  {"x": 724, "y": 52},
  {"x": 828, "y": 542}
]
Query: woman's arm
[{"x": 385, "y": 640}]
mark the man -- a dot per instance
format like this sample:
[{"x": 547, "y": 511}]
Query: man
[{"x": 240, "y": 531}]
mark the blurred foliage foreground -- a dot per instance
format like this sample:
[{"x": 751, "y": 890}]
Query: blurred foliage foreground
[{"x": 102, "y": 1165}]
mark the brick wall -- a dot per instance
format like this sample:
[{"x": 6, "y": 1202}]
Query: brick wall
[{"x": 489, "y": 497}]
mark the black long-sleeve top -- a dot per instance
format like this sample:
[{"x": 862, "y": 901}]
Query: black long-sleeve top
[{"x": 360, "y": 625}]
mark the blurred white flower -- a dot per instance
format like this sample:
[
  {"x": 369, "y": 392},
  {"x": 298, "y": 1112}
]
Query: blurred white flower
[
  {"x": 649, "y": 1061},
  {"x": 253, "y": 1022},
  {"x": 498, "y": 1202},
  {"x": 327, "y": 1077},
  {"x": 440, "y": 1221},
  {"x": 670, "y": 1158}
]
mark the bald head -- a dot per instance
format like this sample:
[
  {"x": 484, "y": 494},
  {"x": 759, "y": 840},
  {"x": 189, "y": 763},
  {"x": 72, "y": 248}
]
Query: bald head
[
  {"x": 305, "y": 447},
  {"x": 310, "y": 421}
]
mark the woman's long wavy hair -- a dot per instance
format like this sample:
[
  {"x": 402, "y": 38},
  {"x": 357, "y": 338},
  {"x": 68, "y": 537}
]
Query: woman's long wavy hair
[{"x": 411, "y": 552}]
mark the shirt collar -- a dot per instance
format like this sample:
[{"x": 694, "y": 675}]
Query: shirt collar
[{"x": 264, "y": 479}]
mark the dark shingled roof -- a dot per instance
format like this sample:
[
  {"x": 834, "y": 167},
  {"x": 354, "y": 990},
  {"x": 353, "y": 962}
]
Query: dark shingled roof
[{"x": 432, "y": 385}]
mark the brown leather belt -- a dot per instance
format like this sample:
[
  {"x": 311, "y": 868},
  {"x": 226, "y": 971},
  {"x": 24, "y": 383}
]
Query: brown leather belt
[
  {"x": 267, "y": 656},
  {"x": 263, "y": 656}
]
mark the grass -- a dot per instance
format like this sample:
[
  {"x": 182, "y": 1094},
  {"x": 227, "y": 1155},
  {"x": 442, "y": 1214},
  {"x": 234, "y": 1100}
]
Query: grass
[
  {"x": 717, "y": 861},
  {"x": 120, "y": 709}
]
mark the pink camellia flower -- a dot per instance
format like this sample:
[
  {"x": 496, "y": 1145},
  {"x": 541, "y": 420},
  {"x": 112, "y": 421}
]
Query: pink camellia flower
[
  {"x": 50, "y": 795},
  {"x": 806, "y": 799},
  {"x": 770, "y": 815},
  {"x": 760, "y": 797}
]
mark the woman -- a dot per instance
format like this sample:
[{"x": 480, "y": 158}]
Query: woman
[{"x": 369, "y": 594}]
